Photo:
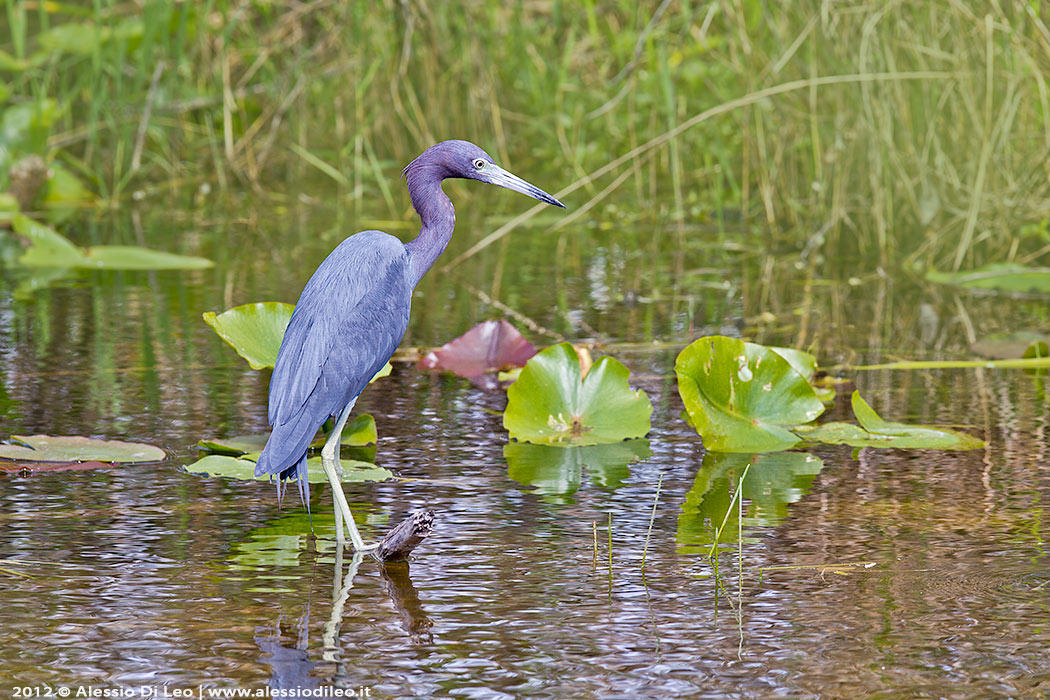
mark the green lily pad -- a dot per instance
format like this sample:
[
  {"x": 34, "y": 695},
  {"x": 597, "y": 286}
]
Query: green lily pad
[
  {"x": 127, "y": 257},
  {"x": 49, "y": 248},
  {"x": 743, "y": 397},
  {"x": 549, "y": 404},
  {"x": 235, "y": 446},
  {"x": 1004, "y": 277},
  {"x": 557, "y": 470},
  {"x": 806, "y": 364},
  {"x": 243, "y": 468},
  {"x": 63, "y": 448},
  {"x": 356, "y": 433},
  {"x": 256, "y": 330},
  {"x": 873, "y": 431},
  {"x": 802, "y": 362},
  {"x": 773, "y": 482},
  {"x": 359, "y": 431}
]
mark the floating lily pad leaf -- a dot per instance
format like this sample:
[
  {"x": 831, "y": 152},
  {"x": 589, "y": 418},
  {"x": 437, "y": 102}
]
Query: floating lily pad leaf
[
  {"x": 806, "y": 365},
  {"x": 549, "y": 404},
  {"x": 254, "y": 330},
  {"x": 1004, "y": 277},
  {"x": 126, "y": 257},
  {"x": 743, "y": 397},
  {"x": 27, "y": 468},
  {"x": 357, "y": 433},
  {"x": 50, "y": 249},
  {"x": 486, "y": 348},
  {"x": 243, "y": 468},
  {"x": 802, "y": 362},
  {"x": 557, "y": 470},
  {"x": 62, "y": 448},
  {"x": 360, "y": 431},
  {"x": 235, "y": 446},
  {"x": 47, "y": 248},
  {"x": 914, "y": 436},
  {"x": 773, "y": 482},
  {"x": 873, "y": 431}
]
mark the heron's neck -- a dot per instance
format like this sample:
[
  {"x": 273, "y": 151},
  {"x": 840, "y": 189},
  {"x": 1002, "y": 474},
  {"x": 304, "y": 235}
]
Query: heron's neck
[{"x": 439, "y": 218}]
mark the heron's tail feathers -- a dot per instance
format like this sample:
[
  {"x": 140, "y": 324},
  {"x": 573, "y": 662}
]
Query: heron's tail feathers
[{"x": 298, "y": 472}]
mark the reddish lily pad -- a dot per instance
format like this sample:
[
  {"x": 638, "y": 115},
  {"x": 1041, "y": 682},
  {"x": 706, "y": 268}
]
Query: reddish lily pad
[
  {"x": 65, "y": 448},
  {"x": 29, "y": 468},
  {"x": 483, "y": 350}
]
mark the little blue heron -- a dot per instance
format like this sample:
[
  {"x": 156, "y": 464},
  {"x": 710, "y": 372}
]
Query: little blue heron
[{"x": 352, "y": 315}]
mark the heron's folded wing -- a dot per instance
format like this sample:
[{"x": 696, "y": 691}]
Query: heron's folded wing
[{"x": 350, "y": 318}]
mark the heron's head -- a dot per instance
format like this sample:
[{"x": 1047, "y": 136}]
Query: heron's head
[{"x": 463, "y": 159}]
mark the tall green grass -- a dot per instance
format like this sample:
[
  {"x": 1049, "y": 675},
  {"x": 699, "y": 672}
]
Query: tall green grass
[{"x": 932, "y": 148}]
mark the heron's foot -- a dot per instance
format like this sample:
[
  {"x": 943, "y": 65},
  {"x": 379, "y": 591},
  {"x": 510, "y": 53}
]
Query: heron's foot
[{"x": 365, "y": 547}]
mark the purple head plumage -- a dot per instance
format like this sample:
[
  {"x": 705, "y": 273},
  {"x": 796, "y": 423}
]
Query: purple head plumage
[{"x": 462, "y": 159}]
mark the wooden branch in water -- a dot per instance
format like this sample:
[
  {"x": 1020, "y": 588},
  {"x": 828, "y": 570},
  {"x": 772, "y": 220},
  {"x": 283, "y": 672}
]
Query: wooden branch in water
[{"x": 400, "y": 541}]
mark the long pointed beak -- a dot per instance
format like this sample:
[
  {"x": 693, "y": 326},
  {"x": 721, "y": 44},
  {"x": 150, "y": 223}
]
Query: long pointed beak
[{"x": 498, "y": 176}]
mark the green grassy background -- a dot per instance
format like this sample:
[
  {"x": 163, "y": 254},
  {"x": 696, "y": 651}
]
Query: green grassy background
[{"x": 931, "y": 147}]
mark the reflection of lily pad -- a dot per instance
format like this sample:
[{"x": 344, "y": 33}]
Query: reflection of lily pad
[
  {"x": 256, "y": 330},
  {"x": 557, "y": 470},
  {"x": 280, "y": 542},
  {"x": 549, "y": 404},
  {"x": 1004, "y": 277},
  {"x": 743, "y": 397},
  {"x": 243, "y": 468},
  {"x": 485, "y": 348},
  {"x": 357, "y": 433},
  {"x": 773, "y": 482},
  {"x": 61, "y": 448}
]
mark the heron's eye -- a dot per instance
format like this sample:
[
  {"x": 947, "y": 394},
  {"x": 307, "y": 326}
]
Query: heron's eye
[{"x": 479, "y": 164}]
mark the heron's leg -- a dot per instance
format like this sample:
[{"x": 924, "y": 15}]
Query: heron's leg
[{"x": 330, "y": 462}]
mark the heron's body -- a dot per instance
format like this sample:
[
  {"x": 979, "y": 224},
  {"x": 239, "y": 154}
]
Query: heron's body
[
  {"x": 326, "y": 360},
  {"x": 353, "y": 313}
]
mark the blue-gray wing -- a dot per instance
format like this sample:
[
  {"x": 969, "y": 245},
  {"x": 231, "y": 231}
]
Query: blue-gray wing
[{"x": 347, "y": 323}]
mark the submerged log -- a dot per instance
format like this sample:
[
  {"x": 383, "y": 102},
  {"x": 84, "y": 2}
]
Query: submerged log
[{"x": 400, "y": 541}]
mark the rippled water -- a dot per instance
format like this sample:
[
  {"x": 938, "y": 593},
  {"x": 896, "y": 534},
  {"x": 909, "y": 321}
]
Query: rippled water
[{"x": 880, "y": 574}]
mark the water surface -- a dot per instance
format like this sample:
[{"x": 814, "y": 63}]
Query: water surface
[{"x": 879, "y": 574}]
